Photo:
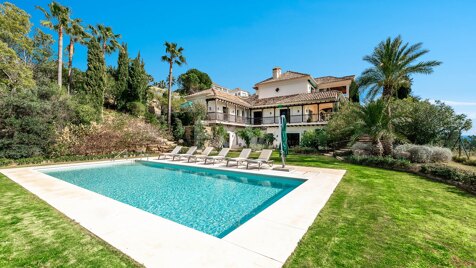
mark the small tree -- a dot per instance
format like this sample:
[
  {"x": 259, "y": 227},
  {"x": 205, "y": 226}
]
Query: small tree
[
  {"x": 122, "y": 77},
  {"x": 193, "y": 81},
  {"x": 218, "y": 136},
  {"x": 200, "y": 134},
  {"x": 95, "y": 83},
  {"x": 248, "y": 133},
  {"x": 178, "y": 130}
]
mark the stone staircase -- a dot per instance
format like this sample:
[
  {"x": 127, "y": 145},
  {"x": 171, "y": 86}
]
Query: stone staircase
[{"x": 339, "y": 152}]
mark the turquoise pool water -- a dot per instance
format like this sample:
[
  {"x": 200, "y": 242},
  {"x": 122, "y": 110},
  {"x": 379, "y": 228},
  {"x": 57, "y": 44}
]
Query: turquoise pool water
[{"x": 211, "y": 201}]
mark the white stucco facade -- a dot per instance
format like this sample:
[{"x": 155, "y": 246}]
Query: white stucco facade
[{"x": 284, "y": 88}]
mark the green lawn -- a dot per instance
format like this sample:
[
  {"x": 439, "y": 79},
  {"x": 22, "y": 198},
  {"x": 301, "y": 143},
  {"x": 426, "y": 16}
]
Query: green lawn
[
  {"x": 33, "y": 234},
  {"x": 374, "y": 218},
  {"x": 386, "y": 218}
]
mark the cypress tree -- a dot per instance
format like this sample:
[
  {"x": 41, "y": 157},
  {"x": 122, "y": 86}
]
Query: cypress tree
[
  {"x": 137, "y": 81},
  {"x": 122, "y": 77},
  {"x": 95, "y": 83}
]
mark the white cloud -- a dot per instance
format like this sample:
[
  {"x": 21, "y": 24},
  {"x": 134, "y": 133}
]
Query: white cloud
[
  {"x": 456, "y": 103},
  {"x": 459, "y": 103}
]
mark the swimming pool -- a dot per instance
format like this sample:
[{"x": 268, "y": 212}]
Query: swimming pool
[{"x": 212, "y": 201}]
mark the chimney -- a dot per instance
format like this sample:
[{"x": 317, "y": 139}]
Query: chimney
[{"x": 276, "y": 72}]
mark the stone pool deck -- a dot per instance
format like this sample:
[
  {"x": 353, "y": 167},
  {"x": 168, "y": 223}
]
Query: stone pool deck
[{"x": 266, "y": 240}]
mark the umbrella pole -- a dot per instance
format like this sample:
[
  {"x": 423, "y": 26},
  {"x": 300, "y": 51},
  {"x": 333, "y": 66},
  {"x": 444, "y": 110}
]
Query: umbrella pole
[{"x": 281, "y": 139}]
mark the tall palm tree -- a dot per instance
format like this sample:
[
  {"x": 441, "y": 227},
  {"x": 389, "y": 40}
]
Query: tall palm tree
[
  {"x": 76, "y": 34},
  {"x": 173, "y": 56},
  {"x": 107, "y": 38},
  {"x": 394, "y": 62},
  {"x": 59, "y": 14},
  {"x": 373, "y": 120}
]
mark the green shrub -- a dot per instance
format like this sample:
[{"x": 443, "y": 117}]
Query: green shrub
[
  {"x": 151, "y": 118},
  {"x": 84, "y": 114},
  {"x": 27, "y": 126},
  {"x": 465, "y": 177},
  {"x": 6, "y": 162},
  {"x": 310, "y": 139},
  {"x": 136, "y": 108},
  {"x": 316, "y": 138},
  {"x": 304, "y": 150},
  {"x": 378, "y": 161}
]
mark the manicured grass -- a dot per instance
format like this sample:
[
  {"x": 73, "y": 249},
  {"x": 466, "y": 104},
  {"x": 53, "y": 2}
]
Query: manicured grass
[
  {"x": 375, "y": 218},
  {"x": 386, "y": 218},
  {"x": 33, "y": 234}
]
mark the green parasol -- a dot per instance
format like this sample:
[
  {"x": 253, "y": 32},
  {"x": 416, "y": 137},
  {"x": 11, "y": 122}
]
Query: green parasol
[{"x": 284, "y": 140}]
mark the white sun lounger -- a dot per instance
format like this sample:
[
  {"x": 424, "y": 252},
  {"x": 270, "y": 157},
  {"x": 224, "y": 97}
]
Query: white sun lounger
[
  {"x": 245, "y": 153},
  {"x": 263, "y": 158},
  {"x": 190, "y": 152},
  {"x": 175, "y": 151},
  {"x": 220, "y": 157},
  {"x": 204, "y": 154}
]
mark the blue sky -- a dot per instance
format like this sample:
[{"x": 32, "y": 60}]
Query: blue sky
[{"x": 238, "y": 42}]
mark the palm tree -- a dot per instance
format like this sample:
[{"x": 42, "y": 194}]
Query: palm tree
[
  {"x": 60, "y": 14},
  {"x": 173, "y": 56},
  {"x": 106, "y": 37},
  {"x": 393, "y": 64},
  {"x": 76, "y": 34},
  {"x": 373, "y": 120}
]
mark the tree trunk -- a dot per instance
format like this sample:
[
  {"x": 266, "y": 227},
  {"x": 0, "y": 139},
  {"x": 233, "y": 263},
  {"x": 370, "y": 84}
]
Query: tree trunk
[
  {"x": 169, "y": 114},
  {"x": 104, "y": 49},
  {"x": 70, "y": 65},
  {"x": 387, "y": 144},
  {"x": 377, "y": 148},
  {"x": 60, "y": 56},
  {"x": 387, "y": 92}
]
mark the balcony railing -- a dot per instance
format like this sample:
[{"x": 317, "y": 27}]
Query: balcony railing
[{"x": 268, "y": 120}]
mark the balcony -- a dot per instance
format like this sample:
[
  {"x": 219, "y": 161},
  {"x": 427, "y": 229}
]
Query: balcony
[{"x": 269, "y": 120}]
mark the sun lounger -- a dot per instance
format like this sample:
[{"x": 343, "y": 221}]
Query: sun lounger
[
  {"x": 204, "y": 154},
  {"x": 245, "y": 153},
  {"x": 190, "y": 152},
  {"x": 220, "y": 157},
  {"x": 262, "y": 159},
  {"x": 175, "y": 151}
]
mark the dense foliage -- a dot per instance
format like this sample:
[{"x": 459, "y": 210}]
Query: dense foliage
[
  {"x": 193, "y": 81},
  {"x": 218, "y": 136},
  {"x": 36, "y": 115},
  {"x": 95, "y": 83},
  {"x": 249, "y": 133}
]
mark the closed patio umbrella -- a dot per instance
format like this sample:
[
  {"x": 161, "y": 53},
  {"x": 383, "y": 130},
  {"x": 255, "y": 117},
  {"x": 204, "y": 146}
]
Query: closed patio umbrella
[{"x": 284, "y": 140}]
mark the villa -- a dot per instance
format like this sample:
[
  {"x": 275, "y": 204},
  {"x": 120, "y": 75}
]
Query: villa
[{"x": 307, "y": 103}]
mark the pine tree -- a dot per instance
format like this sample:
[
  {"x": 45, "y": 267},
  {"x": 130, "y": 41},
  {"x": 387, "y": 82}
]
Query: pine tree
[
  {"x": 122, "y": 77},
  {"x": 138, "y": 81},
  {"x": 95, "y": 83}
]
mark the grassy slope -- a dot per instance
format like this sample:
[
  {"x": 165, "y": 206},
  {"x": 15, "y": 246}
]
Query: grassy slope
[
  {"x": 32, "y": 234},
  {"x": 386, "y": 218},
  {"x": 375, "y": 218}
]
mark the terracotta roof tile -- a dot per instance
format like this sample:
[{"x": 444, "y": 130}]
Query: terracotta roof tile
[
  {"x": 294, "y": 99},
  {"x": 330, "y": 79},
  {"x": 210, "y": 93},
  {"x": 285, "y": 76}
]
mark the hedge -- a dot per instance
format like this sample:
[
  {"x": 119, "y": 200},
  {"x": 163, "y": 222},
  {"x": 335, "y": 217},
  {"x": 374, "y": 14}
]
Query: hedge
[
  {"x": 383, "y": 162},
  {"x": 40, "y": 160},
  {"x": 455, "y": 176},
  {"x": 462, "y": 177}
]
